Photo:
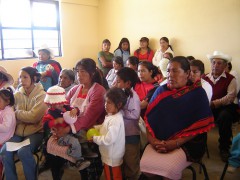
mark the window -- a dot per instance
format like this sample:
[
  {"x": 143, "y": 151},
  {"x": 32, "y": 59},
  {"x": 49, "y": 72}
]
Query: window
[{"x": 26, "y": 25}]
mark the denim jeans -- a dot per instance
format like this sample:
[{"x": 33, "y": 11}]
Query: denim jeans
[{"x": 25, "y": 155}]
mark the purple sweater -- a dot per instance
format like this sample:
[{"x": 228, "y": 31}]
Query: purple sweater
[{"x": 131, "y": 114}]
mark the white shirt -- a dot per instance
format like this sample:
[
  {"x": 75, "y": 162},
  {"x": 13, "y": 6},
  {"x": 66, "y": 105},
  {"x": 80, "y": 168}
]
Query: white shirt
[
  {"x": 208, "y": 89},
  {"x": 159, "y": 55},
  {"x": 112, "y": 139}
]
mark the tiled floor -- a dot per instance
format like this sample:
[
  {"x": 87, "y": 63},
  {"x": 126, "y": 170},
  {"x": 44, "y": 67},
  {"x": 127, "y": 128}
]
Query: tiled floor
[{"x": 214, "y": 164}]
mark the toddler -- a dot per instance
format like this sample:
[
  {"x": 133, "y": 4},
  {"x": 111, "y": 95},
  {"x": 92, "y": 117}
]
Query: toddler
[
  {"x": 7, "y": 118},
  {"x": 55, "y": 99},
  {"x": 112, "y": 134}
]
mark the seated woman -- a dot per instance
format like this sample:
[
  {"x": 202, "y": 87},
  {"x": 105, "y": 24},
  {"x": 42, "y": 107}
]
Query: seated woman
[
  {"x": 48, "y": 68},
  {"x": 147, "y": 84},
  {"x": 66, "y": 79},
  {"x": 88, "y": 100},
  {"x": 144, "y": 53},
  {"x": 112, "y": 74},
  {"x": 29, "y": 112},
  {"x": 6, "y": 80},
  {"x": 177, "y": 119}
]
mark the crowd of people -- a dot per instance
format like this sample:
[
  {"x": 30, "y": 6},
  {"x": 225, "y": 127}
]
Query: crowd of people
[{"x": 54, "y": 108}]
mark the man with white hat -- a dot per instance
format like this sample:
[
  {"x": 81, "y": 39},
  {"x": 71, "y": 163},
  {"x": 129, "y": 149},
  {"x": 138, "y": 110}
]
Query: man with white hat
[{"x": 224, "y": 92}]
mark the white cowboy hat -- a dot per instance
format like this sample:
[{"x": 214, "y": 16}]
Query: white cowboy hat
[
  {"x": 9, "y": 77},
  {"x": 45, "y": 47},
  {"x": 219, "y": 55}
]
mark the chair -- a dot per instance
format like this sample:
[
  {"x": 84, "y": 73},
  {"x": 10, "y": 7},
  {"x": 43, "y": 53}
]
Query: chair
[
  {"x": 224, "y": 171},
  {"x": 202, "y": 165}
]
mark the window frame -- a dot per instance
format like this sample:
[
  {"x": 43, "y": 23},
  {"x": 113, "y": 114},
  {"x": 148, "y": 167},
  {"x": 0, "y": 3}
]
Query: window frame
[{"x": 32, "y": 28}]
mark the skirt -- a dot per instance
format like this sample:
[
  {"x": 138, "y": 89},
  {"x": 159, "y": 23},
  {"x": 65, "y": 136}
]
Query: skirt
[{"x": 168, "y": 165}]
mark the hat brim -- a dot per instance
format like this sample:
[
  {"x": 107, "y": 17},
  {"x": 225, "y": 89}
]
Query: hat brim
[
  {"x": 9, "y": 77},
  {"x": 223, "y": 57}
]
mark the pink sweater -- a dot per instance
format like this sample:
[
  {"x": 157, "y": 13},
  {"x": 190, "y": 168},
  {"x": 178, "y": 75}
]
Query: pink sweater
[
  {"x": 7, "y": 124},
  {"x": 94, "y": 112}
]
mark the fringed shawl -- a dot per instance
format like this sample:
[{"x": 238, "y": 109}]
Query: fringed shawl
[{"x": 177, "y": 113}]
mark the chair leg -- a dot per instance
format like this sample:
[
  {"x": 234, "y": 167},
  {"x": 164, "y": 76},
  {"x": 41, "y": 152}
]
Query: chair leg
[
  {"x": 193, "y": 172},
  {"x": 224, "y": 171},
  {"x": 207, "y": 151},
  {"x": 204, "y": 171}
]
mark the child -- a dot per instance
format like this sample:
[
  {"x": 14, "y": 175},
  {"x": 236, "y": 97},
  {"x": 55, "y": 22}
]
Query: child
[
  {"x": 7, "y": 118},
  {"x": 55, "y": 99},
  {"x": 105, "y": 57},
  {"x": 133, "y": 62},
  {"x": 112, "y": 74},
  {"x": 112, "y": 139},
  {"x": 126, "y": 79}
]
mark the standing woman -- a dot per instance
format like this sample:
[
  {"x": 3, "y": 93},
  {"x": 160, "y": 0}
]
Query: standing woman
[
  {"x": 88, "y": 100},
  {"x": 29, "y": 112},
  {"x": 123, "y": 50},
  {"x": 144, "y": 53},
  {"x": 164, "y": 47},
  {"x": 48, "y": 68},
  {"x": 105, "y": 57}
]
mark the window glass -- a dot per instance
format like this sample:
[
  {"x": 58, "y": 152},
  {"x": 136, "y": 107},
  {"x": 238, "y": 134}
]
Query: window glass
[
  {"x": 44, "y": 15},
  {"x": 15, "y": 13}
]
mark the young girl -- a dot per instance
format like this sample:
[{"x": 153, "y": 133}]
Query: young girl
[
  {"x": 126, "y": 79},
  {"x": 105, "y": 57},
  {"x": 112, "y": 74},
  {"x": 112, "y": 139},
  {"x": 123, "y": 50},
  {"x": 7, "y": 118},
  {"x": 132, "y": 63}
]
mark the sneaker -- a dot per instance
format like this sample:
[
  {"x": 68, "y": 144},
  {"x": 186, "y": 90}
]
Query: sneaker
[
  {"x": 82, "y": 164},
  {"x": 224, "y": 155},
  {"x": 231, "y": 169}
]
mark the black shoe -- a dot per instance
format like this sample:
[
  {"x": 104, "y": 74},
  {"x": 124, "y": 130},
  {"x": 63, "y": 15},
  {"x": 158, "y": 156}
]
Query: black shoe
[
  {"x": 44, "y": 166},
  {"x": 224, "y": 155}
]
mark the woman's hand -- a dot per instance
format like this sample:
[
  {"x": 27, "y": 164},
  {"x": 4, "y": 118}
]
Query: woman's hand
[
  {"x": 60, "y": 132},
  {"x": 59, "y": 120},
  {"x": 166, "y": 146}
]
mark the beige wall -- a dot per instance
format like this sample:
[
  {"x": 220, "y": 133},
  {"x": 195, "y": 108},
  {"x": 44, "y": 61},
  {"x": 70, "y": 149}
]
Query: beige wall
[
  {"x": 79, "y": 35},
  {"x": 194, "y": 27}
]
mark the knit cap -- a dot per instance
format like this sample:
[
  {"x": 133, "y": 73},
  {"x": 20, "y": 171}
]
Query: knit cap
[{"x": 55, "y": 95}]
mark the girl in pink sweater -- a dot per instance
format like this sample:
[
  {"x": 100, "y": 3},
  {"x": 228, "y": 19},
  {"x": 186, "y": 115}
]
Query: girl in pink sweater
[{"x": 7, "y": 118}]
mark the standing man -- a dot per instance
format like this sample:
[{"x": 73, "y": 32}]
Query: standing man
[{"x": 224, "y": 92}]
